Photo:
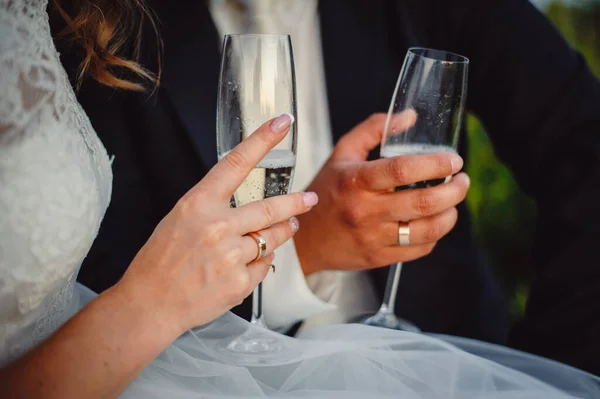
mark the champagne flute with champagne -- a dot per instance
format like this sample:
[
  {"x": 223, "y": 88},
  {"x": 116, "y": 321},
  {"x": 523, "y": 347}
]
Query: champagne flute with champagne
[
  {"x": 257, "y": 83},
  {"x": 433, "y": 83}
]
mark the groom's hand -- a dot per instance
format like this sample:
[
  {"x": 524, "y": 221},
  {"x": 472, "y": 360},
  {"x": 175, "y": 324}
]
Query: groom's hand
[{"x": 355, "y": 224}]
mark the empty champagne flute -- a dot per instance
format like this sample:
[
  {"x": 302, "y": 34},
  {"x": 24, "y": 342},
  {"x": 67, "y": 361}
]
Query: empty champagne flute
[
  {"x": 434, "y": 84},
  {"x": 257, "y": 83}
]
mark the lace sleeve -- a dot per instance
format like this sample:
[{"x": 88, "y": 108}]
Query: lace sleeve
[{"x": 28, "y": 68}]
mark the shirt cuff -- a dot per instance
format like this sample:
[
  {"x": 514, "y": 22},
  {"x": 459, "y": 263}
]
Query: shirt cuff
[
  {"x": 287, "y": 295},
  {"x": 351, "y": 291}
]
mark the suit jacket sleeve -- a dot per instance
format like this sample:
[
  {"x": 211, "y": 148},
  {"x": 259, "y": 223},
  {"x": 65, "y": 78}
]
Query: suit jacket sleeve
[{"x": 540, "y": 105}]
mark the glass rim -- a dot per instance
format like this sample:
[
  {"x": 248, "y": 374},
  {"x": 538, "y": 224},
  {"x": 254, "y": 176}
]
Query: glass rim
[
  {"x": 273, "y": 35},
  {"x": 422, "y": 52}
]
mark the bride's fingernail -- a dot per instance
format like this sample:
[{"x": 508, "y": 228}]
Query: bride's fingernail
[
  {"x": 282, "y": 122},
  {"x": 294, "y": 224},
  {"x": 310, "y": 199}
]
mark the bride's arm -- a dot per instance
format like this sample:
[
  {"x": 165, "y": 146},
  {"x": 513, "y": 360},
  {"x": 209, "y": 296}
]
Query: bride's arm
[
  {"x": 101, "y": 349},
  {"x": 96, "y": 354},
  {"x": 198, "y": 264}
]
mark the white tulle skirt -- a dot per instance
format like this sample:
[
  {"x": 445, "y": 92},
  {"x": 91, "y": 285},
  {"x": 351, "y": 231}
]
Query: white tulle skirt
[{"x": 352, "y": 361}]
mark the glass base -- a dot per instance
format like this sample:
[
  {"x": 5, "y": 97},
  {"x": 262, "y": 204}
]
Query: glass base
[
  {"x": 255, "y": 343},
  {"x": 254, "y": 347},
  {"x": 388, "y": 320}
]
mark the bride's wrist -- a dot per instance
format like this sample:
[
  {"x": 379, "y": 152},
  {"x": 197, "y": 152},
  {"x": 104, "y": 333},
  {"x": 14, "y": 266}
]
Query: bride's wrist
[{"x": 145, "y": 312}]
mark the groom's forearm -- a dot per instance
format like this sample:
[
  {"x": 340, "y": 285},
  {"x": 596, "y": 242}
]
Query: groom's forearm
[{"x": 95, "y": 355}]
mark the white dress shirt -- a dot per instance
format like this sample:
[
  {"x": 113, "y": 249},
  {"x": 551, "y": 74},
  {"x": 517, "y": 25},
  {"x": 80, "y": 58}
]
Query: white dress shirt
[{"x": 325, "y": 297}]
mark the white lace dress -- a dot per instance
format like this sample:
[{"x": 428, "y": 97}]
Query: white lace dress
[{"x": 55, "y": 182}]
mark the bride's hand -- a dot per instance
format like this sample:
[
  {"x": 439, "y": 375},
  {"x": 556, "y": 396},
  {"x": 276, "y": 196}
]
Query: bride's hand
[{"x": 200, "y": 262}]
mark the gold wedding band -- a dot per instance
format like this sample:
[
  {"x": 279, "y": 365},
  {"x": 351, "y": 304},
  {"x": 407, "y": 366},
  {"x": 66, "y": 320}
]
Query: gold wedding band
[
  {"x": 403, "y": 234},
  {"x": 261, "y": 245}
]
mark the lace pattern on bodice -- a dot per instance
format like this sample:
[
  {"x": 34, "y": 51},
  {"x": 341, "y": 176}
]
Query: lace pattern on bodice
[{"x": 55, "y": 181}]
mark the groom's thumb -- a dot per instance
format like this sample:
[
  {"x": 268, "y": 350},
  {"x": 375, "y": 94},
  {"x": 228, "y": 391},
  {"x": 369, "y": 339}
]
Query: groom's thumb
[{"x": 358, "y": 142}]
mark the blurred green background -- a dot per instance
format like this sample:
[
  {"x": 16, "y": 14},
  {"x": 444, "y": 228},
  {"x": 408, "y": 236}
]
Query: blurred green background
[{"x": 503, "y": 216}]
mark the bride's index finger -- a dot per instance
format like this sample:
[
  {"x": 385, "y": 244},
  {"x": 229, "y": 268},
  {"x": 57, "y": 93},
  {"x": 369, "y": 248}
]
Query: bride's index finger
[{"x": 231, "y": 171}]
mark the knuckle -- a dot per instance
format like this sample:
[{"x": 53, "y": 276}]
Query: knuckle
[
  {"x": 462, "y": 192},
  {"x": 452, "y": 194},
  {"x": 217, "y": 229},
  {"x": 342, "y": 143},
  {"x": 347, "y": 181},
  {"x": 269, "y": 212},
  {"x": 443, "y": 165},
  {"x": 399, "y": 169},
  {"x": 373, "y": 258},
  {"x": 448, "y": 221},
  {"x": 273, "y": 238},
  {"x": 353, "y": 216},
  {"x": 238, "y": 286},
  {"x": 186, "y": 205},
  {"x": 453, "y": 216},
  {"x": 369, "y": 240},
  {"x": 236, "y": 160},
  {"x": 428, "y": 249},
  {"x": 265, "y": 139},
  {"x": 233, "y": 257},
  {"x": 425, "y": 204},
  {"x": 376, "y": 118},
  {"x": 432, "y": 233}
]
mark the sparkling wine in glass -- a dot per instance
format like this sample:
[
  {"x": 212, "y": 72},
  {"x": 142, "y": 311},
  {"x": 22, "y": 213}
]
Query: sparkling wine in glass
[
  {"x": 434, "y": 84},
  {"x": 257, "y": 83}
]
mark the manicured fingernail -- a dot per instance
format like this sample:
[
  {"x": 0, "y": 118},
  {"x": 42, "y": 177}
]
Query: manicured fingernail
[
  {"x": 282, "y": 122},
  {"x": 310, "y": 199},
  {"x": 294, "y": 224},
  {"x": 457, "y": 163}
]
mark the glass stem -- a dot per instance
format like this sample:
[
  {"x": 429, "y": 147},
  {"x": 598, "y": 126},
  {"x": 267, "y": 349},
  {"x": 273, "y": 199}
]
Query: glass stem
[
  {"x": 257, "y": 310},
  {"x": 391, "y": 289}
]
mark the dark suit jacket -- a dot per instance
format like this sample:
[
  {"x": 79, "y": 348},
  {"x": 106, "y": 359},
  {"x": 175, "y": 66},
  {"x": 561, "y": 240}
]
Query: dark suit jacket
[{"x": 535, "y": 96}]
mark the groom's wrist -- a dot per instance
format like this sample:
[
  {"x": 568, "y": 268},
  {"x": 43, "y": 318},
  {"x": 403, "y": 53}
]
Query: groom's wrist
[{"x": 306, "y": 258}]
